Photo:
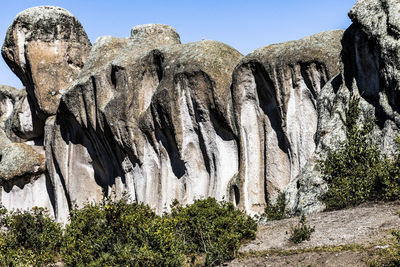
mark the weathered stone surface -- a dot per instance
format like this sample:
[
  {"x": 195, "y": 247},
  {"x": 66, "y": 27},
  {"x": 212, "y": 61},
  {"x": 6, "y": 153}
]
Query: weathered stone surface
[
  {"x": 275, "y": 103},
  {"x": 29, "y": 194},
  {"x": 46, "y": 47},
  {"x": 152, "y": 120},
  {"x": 19, "y": 160},
  {"x": 370, "y": 71},
  {"x": 160, "y": 120},
  {"x": 8, "y": 97},
  {"x": 22, "y": 122},
  {"x": 24, "y": 182}
]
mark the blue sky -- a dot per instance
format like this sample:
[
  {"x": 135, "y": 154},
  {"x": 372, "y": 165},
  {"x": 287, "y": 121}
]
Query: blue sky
[{"x": 243, "y": 24}]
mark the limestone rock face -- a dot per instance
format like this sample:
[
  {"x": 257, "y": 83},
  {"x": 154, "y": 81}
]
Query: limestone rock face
[
  {"x": 18, "y": 160},
  {"x": 370, "y": 70},
  {"x": 23, "y": 178},
  {"x": 46, "y": 47},
  {"x": 8, "y": 98},
  {"x": 22, "y": 165},
  {"x": 153, "y": 119},
  {"x": 275, "y": 92},
  {"x": 159, "y": 120}
]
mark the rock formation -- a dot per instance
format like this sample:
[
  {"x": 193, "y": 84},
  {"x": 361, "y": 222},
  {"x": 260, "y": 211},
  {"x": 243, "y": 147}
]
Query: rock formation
[
  {"x": 275, "y": 92},
  {"x": 370, "y": 71},
  {"x": 151, "y": 120},
  {"x": 158, "y": 120},
  {"x": 46, "y": 47}
]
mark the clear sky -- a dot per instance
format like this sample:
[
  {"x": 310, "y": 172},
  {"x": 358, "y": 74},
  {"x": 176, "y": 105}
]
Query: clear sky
[{"x": 242, "y": 24}]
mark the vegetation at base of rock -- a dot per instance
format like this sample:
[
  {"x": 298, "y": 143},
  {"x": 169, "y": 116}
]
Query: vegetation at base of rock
[
  {"x": 276, "y": 211},
  {"x": 28, "y": 238},
  {"x": 301, "y": 232},
  {"x": 211, "y": 228},
  {"x": 120, "y": 233},
  {"x": 358, "y": 172},
  {"x": 389, "y": 255}
]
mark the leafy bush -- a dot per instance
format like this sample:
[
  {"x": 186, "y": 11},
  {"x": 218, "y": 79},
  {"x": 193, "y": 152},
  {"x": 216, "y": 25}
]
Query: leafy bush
[
  {"x": 358, "y": 171},
  {"x": 28, "y": 238},
  {"x": 212, "y": 229},
  {"x": 130, "y": 234},
  {"x": 301, "y": 231},
  {"x": 276, "y": 211},
  {"x": 126, "y": 234},
  {"x": 120, "y": 234}
]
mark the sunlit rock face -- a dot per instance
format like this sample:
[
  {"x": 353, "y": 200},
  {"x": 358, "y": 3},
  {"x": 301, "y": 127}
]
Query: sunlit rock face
[
  {"x": 370, "y": 71},
  {"x": 275, "y": 91},
  {"x": 152, "y": 120},
  {"x": 157, "y": 120},
  {"x": 22, "y": 166},
  {"x": 46, "y": 47}
]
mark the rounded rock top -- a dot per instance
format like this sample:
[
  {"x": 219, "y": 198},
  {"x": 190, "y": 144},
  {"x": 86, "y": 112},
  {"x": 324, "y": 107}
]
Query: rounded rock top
[
  {"x": 47, "y": 23},
  {"x": 159, "y": 33},
  {"x": 40, "y": 12}
]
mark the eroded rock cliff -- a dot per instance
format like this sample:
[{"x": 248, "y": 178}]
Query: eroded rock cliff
[
  {"x": 158, "y": 120},
  {"x": 275, "y": 92},
  {"x": 370, "y": 72}
]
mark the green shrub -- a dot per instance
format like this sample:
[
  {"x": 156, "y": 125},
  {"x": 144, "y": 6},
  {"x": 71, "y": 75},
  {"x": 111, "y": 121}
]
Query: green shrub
[
  {"x": 120, "y": 234},
  {"x": 126, "y": 234},
  {"x": 301, "y": 231},
  {"x": 358, "y": 171},
  {"x": 212, "y": 229},
  {"x": 28, "y": 238},
  {"x": 276, "y": 211},
  {"x": 129, "y": 234}
]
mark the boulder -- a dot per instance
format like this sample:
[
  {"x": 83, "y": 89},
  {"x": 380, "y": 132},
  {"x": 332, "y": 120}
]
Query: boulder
[
  {"x": 46, "y": 47},
  {"x": 19, "y": 160},
  {"x": 24, "y": 182}
]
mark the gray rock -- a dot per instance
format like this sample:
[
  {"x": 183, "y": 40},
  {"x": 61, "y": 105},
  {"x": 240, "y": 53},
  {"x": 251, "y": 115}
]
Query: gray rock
[
  {"x": 370, "y": 71},
  {"x": 19, "y": 160},
  {"x": 151, "y": 118},
  {"x": 275, "y": 92},
  {"x": 159, "y": 120},
  {"x": 24, "y": 182},
  {"x": 46, "y": 47}
]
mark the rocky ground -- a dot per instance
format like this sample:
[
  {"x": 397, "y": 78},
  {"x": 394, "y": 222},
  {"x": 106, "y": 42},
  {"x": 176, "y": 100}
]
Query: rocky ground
[{"x": 341, "y": 238}]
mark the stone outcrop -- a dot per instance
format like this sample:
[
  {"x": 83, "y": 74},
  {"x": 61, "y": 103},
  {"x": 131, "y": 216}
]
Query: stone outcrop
[
  {"x": 159, "y": 120},
  {"x": 369, "y": 71},
  {"x": 10, "y": 98},
  {"x": 275, "y": 92},
  {"x": 46, "y": 47},
  {"x": 23, "y": 178},
  {"x": 151, "y": 120}
]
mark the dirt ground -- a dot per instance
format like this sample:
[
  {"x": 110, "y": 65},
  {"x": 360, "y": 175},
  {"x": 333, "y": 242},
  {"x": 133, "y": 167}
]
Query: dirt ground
[{"x": 364, "y": 226}]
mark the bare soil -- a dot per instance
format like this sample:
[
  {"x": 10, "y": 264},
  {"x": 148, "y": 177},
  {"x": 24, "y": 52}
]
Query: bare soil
[{"x": 341, "y": 238}]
